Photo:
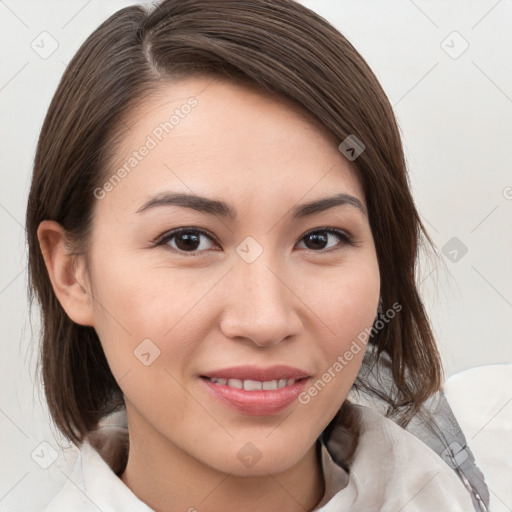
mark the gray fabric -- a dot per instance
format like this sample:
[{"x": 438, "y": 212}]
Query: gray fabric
[{"x": 435, "y": 425}]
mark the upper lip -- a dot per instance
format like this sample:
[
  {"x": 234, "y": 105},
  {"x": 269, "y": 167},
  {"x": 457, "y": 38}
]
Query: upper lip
[{"x": 254, "y": 373}]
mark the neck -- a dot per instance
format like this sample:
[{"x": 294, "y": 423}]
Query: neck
[{"x": 168, "y": 479}]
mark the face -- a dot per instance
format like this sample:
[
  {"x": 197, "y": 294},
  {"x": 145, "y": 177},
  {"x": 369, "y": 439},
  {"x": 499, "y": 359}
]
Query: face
[{"x": 209, "y": 274}]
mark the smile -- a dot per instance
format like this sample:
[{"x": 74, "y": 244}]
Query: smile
[
  {"x": 253, "y": 385},
  {"x": 256, "y": 391}
]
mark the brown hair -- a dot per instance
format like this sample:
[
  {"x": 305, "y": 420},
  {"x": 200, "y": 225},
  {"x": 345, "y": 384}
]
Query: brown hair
[{"x": 278, "y": 46}]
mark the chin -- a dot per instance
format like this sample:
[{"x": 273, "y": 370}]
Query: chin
[{"x": 258, "y": 458}]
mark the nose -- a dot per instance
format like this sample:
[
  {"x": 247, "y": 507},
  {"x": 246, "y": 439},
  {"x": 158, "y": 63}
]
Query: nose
[{"x": 261, "y": 305}]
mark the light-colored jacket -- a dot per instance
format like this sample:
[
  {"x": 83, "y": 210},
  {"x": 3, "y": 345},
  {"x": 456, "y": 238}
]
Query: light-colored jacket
[{"x": 386, "y": 469}]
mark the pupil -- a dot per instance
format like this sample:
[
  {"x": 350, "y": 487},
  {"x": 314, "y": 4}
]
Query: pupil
[
  {"x": 319, "y": 241},
  {"x": 188, "y": 242}
]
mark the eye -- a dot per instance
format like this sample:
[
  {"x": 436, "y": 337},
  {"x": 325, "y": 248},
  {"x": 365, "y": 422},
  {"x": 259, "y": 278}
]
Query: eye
[
  {"x": 325, "y": 238},
  {"x": 194, "y": 241},
  {"x": 187, "y": 240}
]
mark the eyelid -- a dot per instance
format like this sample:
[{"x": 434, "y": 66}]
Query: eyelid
[
  {"x": 333, "y": 231},
  {"x": 165, "y": 237}
]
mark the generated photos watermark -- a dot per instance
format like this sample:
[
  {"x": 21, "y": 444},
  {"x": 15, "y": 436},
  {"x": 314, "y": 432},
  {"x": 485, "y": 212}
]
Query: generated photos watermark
[
  {"x": 343, "y": 359},
  {"x": 156, "y": 136}
]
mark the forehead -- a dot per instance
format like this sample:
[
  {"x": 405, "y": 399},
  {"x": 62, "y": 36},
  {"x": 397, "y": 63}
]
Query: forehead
[{"x": 212, "y": 136}]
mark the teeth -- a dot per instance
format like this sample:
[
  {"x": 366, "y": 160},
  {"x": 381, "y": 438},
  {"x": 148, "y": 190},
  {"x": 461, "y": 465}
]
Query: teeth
[
  {"x": 254, "y": 385},
  {"x": 269, "y": 385},
  {"x": 235, "y": 383},
  {"x": 222, "y": 382}
]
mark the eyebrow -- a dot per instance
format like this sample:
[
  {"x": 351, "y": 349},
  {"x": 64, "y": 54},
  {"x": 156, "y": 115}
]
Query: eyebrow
[{"x": 222, "y": 209}]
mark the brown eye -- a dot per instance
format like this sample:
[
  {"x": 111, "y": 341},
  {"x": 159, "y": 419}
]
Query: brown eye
[
  {"x": 187, "y": 240},
  {"x": 322, "y": 239}
]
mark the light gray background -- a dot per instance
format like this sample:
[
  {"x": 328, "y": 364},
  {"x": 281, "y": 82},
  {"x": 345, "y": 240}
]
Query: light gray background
[{"x": 455, "y": 113}]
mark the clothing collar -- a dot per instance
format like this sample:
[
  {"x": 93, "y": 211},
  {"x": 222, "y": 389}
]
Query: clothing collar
[{"x": 387, "y": 469}]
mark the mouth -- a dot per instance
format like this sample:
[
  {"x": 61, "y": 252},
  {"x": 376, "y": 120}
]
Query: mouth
[
  {"x": 253, "y": 385},
  {"x": 255, "y": 391}
]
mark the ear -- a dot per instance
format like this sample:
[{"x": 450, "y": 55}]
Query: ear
[{"x": 67, "y": 273}]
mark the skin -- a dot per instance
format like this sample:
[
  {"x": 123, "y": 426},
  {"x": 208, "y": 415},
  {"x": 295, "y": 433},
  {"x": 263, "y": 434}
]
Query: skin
[{"x": 298, "y": 303}]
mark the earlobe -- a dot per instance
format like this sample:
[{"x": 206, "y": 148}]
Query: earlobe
[{"x": 67, "y": 273}]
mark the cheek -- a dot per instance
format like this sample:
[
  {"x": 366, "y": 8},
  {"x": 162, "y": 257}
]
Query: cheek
[
  {"x": 347, "y": 300},
  {"x": 142, "y": 300},
  {"x": 149, "y": 315},
  {"x": 347, "y": 305}
]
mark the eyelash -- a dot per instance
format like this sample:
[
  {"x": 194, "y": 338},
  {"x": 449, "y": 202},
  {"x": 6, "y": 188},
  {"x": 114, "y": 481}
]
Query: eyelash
[{"x": 344, "y": 237}]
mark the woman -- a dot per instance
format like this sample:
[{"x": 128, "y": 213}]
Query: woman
[{"x": 219, "y": 224}]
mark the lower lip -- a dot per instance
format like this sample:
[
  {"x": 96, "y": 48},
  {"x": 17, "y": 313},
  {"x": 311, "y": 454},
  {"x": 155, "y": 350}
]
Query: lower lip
[{"x": 257, "y": 403}]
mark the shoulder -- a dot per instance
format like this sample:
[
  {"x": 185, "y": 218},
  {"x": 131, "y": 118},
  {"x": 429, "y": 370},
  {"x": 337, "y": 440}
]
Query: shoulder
[
  {"x": 390, "y": 469},
  {"x": 73, "y": 495},
  {"x": 93, "y": 483}
]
